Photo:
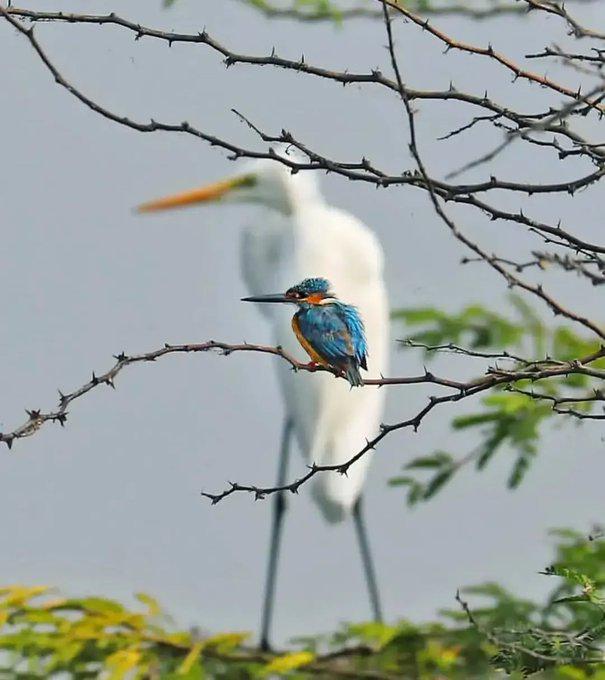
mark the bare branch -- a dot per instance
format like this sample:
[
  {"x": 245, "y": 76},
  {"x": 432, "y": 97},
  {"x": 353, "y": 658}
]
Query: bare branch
[
  {"x": 492, "y": 54},
  {"x": 468, "y": 389},
  {"x": 456, "y": 349},
  {"x": 558, "y": 9},
  {"x": 37, "y": 418}
]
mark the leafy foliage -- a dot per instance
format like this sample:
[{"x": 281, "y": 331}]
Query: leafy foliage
[
  {"x": 568, "y": 631},
  {"x": 474, "y": 327},
  {"x": 95, "y": 637},
  {"x": 337, "y": 10},
  {"x": 318, "y": 9},
  {"x": 43, "y": 635},
  {"x": 511, "y": 416}
]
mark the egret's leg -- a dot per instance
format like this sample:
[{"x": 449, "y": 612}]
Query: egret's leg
[
  {"x": 279, "y": 507},
  {"x": 366, "y": 558}
]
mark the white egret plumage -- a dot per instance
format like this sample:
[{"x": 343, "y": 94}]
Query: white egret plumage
[{"x": 299, "y": 236}]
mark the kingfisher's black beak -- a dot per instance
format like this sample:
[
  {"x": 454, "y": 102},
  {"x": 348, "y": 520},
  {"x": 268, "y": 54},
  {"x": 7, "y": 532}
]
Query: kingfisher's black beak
[{"x": 279, "y": 297}]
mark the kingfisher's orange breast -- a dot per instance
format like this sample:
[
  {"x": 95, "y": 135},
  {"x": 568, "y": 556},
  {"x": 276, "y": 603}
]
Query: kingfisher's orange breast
[{"x": 306, "y": 344}]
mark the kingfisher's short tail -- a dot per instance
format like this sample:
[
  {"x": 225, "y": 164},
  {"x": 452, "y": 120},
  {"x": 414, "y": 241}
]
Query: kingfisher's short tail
[{"x": 353, "y": 375}]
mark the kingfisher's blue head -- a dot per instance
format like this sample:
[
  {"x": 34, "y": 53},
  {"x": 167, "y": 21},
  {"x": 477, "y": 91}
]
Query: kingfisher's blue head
[
  {"x": 312, "y": 291},
  {"x": 308, "y": 292}
]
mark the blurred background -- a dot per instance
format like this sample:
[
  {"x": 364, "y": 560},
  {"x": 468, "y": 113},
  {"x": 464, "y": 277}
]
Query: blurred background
[{"x": 112, "y": 503}]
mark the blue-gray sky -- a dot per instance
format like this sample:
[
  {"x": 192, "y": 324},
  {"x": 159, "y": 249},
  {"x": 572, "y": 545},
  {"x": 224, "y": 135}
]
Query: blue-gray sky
[{"x": 111, "y": 504}]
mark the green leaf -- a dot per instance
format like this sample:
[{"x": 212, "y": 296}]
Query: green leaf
[
  {"x": 402, "y": 481},
  {"x": 436, "y": 483},
  {"x": 287, "y": 662},
  {"x": 435, "y": 460},
  {"x": 518, "y": 472},
  {"x": 463, "y": 422}
]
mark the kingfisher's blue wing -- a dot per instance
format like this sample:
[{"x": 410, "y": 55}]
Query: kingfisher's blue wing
[
  {"x": 335, "y": 331},
  {"x": 357, "y": 331}
]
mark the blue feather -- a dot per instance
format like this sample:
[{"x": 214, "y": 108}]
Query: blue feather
[
  {"x": 313, "y": 285},
  {"x": 336, "y": 332}
]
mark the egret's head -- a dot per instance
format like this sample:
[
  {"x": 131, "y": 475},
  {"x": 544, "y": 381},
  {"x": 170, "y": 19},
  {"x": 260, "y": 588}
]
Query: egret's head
[
  {"x": 308, "y": 292},
  {"x": 264, "y": 182}
]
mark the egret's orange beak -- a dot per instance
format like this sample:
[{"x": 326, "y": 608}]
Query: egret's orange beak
[{"x": 211, "y": 192}]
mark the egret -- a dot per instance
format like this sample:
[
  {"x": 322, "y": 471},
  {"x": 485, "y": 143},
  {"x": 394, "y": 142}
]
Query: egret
[{"x": 300, "y": 236}]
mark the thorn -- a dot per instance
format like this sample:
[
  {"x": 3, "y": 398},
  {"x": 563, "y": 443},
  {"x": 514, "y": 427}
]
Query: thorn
[{"x": 214, "y": 499}]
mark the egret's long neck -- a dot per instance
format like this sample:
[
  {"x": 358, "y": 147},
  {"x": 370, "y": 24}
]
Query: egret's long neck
[{"x": 299, "y": 192}]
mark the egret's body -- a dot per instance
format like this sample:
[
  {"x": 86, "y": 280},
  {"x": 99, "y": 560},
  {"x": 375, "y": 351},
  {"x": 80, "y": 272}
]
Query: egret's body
[
  {"x": 299, "y": 236},
  {"x": 331, "y": 422}
]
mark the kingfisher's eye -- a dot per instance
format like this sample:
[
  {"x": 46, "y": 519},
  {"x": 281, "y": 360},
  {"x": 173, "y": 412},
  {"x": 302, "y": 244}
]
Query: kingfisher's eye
[{"x": 296, "y": 294}]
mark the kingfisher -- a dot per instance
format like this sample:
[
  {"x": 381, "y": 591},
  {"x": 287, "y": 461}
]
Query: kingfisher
[{"x": 330, "y": 331}]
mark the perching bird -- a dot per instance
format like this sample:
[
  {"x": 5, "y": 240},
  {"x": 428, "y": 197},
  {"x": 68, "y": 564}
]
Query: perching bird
[
  {"x": 331, "y": 332},
  {"x": 297, "y": 236}
]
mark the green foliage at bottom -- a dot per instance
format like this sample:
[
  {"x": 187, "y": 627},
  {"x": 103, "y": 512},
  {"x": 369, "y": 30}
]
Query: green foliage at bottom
[{"x": 43, "y": 635}]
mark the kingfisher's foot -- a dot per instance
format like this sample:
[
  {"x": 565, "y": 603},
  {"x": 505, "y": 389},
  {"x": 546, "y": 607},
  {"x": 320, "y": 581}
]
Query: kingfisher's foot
[{"x": 312, "y": 366}]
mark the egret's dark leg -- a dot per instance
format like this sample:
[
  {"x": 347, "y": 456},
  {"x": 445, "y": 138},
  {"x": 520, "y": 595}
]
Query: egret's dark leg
[
  {"x": 366, "y": 558},
  {"x": 279, "y": 507}
]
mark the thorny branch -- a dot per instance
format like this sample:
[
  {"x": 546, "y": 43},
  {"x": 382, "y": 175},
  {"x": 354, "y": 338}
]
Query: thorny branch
[
  {"x": 559, "y": 9},
  {"x": 533, "y": 371},
  {"x": 37, "y": 418},
  {"x": 511, "y": 640},
  {"x": 362, "y": 170},
  {"x": 494, "y": 377},
  {"x": 556, "y": 120}
]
